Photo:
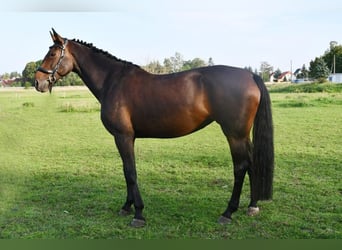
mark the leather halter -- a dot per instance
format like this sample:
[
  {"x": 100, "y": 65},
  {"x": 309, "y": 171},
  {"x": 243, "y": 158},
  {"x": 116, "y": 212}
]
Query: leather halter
[{"x": 53, "y": 71}]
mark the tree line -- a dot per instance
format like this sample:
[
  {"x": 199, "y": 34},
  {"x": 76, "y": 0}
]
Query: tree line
[
  {"x": 176, "y": 63},
  {"x": 172, "y": 64},
  {"x": 319, "y": 68}
]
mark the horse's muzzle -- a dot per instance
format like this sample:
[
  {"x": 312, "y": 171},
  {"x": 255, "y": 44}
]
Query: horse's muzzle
[{"x": 43, "y": 85}]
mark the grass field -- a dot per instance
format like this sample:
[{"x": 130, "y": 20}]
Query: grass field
[{"x": 61, "y": 175}]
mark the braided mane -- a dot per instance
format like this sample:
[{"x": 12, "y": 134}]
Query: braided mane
[{"x": 105, "y": 53}]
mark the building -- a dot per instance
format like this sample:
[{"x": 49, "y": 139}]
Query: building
[
  {"x": 335, "y": 78},
  {"x": 283, "y": 77}
]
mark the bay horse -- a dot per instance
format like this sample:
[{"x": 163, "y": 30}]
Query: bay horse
[{"x": 137, "y": 104}]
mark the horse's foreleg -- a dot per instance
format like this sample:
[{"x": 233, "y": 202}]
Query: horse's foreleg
[
  {"x": 240, "y": 151},
  {"x": 125, "y": 145}
]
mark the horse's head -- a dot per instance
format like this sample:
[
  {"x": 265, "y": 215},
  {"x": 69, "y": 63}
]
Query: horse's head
[{"x": 56, "y": 64}]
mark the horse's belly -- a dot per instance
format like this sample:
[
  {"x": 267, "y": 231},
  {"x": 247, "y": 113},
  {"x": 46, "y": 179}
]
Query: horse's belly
[{"x": 170, "y": 128}]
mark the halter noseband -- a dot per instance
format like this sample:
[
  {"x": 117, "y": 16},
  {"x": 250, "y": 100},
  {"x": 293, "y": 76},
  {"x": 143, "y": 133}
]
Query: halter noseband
[{"x": 52, "y": 72}]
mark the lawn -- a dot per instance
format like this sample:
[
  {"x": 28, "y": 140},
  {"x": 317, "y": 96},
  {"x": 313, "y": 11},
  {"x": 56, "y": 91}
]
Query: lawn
[{"x": 61, "y": 175}]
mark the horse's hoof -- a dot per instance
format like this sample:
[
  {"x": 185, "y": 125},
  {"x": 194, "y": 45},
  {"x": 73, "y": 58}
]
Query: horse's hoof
[
  {"x": 224, "y": 220},
  {"x": 138, "y": 223},
  {"x": 124, "y": 212},
  {"x": 252, "y": 211}
]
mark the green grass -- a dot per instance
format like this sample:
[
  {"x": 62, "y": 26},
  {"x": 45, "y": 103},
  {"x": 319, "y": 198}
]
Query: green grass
[
  {"x": 306, "y": 88},
  {"x": 61, "y": 175}
]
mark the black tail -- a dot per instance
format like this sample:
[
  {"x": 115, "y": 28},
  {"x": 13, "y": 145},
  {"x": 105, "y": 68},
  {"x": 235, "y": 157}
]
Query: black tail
[{"x": 263, "y": 148}]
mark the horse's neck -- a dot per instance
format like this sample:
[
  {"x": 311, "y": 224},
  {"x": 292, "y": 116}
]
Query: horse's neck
[{"x": 94, "y": 69}]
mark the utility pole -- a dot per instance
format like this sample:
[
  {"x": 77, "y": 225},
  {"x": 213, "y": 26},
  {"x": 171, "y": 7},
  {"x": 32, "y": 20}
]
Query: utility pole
[
  {"x": 333, "y": 44},
  {"x": 334, "y": 64}
]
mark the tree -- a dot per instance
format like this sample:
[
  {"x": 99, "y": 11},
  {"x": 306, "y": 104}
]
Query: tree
[
  {"x": 72, "y": 79},
  {"x": 334, "y": 50},
  {"x": 168, "y": 65},
  {"x": 14, "y": 74},
  {"x": 5, "y": 76},
  {"x": 304, "y": 73},
  {"x": 194, "y": 63},
  {"x": 175, "y": 63},
  {"x": 29, "y": 72},
  {"x": 265, "y": 70},
  {"x": 319, "y": 69},
  {"x": 277, "y": 73},
  {"x": 154, "y": 67}
]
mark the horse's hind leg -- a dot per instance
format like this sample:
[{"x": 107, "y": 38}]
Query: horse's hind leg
[{"x": 242, "y": 160}]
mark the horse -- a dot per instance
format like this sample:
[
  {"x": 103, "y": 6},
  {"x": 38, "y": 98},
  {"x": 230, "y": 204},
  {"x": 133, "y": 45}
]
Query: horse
[{"x": 137, "y": 104}]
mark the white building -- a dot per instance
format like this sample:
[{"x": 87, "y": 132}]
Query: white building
[{"x": 335, "y": 78}]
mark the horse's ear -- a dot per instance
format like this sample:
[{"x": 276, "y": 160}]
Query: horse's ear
[
  {"x": 52, "y": 36},
  {"x": 56, "y": 37}
]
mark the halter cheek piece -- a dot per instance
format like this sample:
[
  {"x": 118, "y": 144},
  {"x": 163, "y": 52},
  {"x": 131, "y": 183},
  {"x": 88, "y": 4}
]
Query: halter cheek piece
[{"x": 52, "y": 72}]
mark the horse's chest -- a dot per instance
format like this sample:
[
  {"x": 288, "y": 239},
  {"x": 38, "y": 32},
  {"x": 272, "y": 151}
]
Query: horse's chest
[{"x": 116, "y": 118}]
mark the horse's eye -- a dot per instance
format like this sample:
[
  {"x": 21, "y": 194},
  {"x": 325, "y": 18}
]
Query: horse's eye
[{"x": 52, "y": 54}]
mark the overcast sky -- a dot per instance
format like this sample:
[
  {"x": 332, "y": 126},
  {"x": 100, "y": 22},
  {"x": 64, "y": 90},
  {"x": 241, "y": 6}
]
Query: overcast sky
[{"x": 238, "y": 33}]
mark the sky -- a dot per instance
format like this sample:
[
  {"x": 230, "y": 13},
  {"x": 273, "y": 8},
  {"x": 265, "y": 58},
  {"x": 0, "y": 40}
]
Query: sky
[{"x": 237, "y": 33}]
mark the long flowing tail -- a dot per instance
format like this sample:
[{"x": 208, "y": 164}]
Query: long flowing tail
[{"x": 263, "y": 147}]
